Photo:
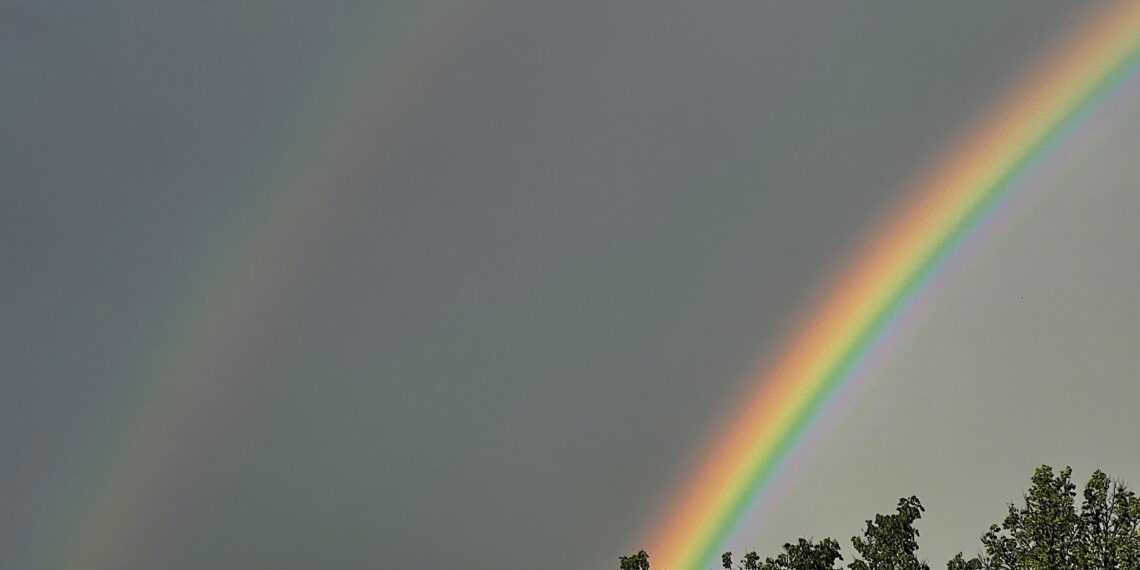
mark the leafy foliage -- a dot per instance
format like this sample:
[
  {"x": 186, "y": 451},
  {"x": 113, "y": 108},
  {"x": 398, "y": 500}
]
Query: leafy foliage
[
  {"x": 804, "y": 555},
  {"x": 1110, "y": 525},
  {"x": 1048, "y": 532},
  {"x": 639, "y": 561},
  {"x": 960, "y": 563},
  {"x": 890, "y": 541},
  {"x": 1044, "y": 534}
]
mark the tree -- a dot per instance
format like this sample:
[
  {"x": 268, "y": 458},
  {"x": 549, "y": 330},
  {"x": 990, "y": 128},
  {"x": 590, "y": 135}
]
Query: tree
[
  {"x": 1049, "y": 533},
  {"x": 890, "y": 541},
  {"x": 751, "y": 561},
  {"x": 960, "y": 563},
  {"x": 1109, "y": 518},
  {"x": 639, "y": 561},
  {"x": 806, "y": 554},
  {"x": 1042, "y": 535}
]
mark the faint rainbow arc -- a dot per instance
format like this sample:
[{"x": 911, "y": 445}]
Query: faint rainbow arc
[{"x": 101, "y": 518}]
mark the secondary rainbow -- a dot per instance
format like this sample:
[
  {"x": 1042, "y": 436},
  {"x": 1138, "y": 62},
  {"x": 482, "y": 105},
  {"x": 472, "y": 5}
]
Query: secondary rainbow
[
  {"x": 856, "y": 316},
  {"x": 160, "y": 416}
]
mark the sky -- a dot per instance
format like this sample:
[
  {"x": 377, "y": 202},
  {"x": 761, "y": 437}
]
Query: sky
[{"x": 474, "y": 283}]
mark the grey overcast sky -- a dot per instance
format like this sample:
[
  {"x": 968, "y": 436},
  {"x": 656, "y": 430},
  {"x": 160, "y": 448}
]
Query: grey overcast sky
[{"x": 538, "y": 280}]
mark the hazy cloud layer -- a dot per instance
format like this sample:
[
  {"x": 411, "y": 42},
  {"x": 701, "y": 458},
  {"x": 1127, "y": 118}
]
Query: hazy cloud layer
[{"x": 539, "y": 282}]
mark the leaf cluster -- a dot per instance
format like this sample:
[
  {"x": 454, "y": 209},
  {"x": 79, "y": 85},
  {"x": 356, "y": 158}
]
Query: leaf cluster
[{"x": 1047, "y": 532}]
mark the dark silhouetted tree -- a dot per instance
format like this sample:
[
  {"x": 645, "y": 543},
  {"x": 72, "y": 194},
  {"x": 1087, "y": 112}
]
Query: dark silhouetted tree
[
  {"x": 804, "y": 555},
  {"x": 751, "y": 561},
  {"x": 960, "y": 563},
  {"x": 890, "y": 541},
  {"x": 1048, "y": 533},
  {"x": 639, "y": 561}
]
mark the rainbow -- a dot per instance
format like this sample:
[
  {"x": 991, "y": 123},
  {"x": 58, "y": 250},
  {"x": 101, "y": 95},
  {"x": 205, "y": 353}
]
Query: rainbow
[
  {"x": 853, "y": 323},
  {"x": 161, "y": 415}
]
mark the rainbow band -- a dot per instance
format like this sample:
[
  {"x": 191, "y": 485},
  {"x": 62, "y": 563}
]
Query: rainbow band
[
  {"x": 163, "y": 414},
  {"x": 853, "y": 320}
]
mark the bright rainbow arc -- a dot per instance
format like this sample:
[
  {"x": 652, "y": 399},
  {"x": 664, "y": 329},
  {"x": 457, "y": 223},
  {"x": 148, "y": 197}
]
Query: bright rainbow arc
[{"x": 899, "y": 263}]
